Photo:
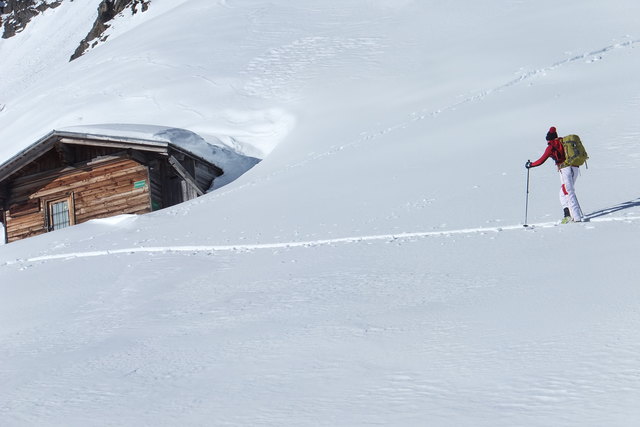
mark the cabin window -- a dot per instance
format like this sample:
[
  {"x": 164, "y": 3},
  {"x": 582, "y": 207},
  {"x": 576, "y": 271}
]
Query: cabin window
[{"x": 60, "y": 213}]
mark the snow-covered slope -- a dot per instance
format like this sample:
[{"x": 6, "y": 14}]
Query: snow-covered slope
[{"x": 372, "y": 269}]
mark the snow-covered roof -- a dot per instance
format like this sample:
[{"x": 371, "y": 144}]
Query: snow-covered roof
[
  {"x": 144, "y": 138},
  {"x": 183, "y": 139},
  {"x": 211, "y": 149},
  {"x": 141, "y": 137}
]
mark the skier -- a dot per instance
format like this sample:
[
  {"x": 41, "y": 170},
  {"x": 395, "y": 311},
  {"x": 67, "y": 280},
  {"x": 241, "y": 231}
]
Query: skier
[{"x": 568, "y": 176}]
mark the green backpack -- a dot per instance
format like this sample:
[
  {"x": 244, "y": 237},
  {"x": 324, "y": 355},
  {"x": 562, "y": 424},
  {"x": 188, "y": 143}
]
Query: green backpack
[{"x": 574, "y": 152}]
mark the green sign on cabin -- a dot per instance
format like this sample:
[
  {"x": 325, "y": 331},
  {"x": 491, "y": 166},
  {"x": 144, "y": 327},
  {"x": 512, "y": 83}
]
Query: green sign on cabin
[{"x": 140, "y": 184}]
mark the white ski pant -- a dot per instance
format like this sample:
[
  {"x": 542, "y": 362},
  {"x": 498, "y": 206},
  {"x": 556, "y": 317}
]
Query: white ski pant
[{"x": 568, "y": 199}]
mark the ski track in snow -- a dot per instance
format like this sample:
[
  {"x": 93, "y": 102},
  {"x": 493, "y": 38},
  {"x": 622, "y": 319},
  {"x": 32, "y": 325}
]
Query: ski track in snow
[
  {"x": 589, "y": 57},
  {"x": 365, "y": 137},
  {"x": 303, "y": 244}
]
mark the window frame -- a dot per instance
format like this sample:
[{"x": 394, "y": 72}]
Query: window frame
[{"x": 49, "y": 211}]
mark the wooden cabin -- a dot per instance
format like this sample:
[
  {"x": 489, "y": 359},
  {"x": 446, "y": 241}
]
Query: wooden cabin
[{"x": 67, "y": 178}]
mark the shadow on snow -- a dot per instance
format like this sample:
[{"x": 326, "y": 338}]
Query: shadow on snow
[{"x": 622, "y": 206}]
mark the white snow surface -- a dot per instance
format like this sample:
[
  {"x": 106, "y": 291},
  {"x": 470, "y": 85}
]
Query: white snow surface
[{"x": 373, "y": 268}]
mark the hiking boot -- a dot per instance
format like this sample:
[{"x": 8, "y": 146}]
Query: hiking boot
[{"x": 566, "y": 220}]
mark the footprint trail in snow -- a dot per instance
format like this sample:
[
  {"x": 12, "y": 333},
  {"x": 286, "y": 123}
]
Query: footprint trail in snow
[{"x": 308, "y": 243}]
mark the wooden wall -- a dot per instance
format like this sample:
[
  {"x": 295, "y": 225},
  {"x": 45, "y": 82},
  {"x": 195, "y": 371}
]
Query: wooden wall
[{"x": 97, "y": 190}]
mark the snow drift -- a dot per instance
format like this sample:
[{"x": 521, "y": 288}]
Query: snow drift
[{"x": 372, "y": 268}]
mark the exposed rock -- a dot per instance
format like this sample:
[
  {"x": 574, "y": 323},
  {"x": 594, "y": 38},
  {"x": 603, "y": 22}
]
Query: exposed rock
[
  {"x": 107, "y": 10},
  {"x": 16, "y": 14}
]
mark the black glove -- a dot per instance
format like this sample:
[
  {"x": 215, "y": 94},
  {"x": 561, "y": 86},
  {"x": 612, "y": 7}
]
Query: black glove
[{"x": 528, "y": 164}]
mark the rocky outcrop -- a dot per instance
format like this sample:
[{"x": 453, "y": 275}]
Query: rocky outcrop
[
  {"x": 107, "y": 11},
  {"x": 16, "y": 14}
]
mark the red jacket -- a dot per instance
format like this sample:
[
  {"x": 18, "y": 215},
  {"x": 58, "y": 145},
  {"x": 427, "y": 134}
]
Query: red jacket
[{"x": 555, "y": 150}]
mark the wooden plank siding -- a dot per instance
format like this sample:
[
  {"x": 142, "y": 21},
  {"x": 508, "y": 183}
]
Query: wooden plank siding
[
  {"x": 98, "y": 190},
  {"x": 94, "y": 176}
]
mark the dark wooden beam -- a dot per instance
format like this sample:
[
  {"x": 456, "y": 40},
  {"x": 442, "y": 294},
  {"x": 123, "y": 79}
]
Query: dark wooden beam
[
  {"x": 177, "y": 166},
  {"x": 66, "y": 154}
]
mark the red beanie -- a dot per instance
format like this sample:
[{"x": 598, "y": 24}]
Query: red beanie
[{"x": 552, "y": 129}]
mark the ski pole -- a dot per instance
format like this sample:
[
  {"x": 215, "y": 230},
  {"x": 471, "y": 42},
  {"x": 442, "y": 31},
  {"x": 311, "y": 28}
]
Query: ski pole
[{"x": 526, "y": 205}]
